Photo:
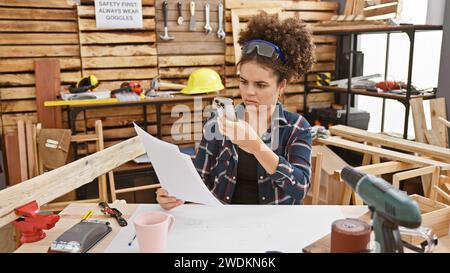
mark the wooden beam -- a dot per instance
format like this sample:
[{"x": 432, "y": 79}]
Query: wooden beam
[
  {"x": 168, "y": 61},
  {"x": 393, "y": 155},
  {"x": 290, "y": 5},
  {"x": 444, "y": 121},
  {"x": 50, "y": 185},
  {"x": 388, "y": 141}
]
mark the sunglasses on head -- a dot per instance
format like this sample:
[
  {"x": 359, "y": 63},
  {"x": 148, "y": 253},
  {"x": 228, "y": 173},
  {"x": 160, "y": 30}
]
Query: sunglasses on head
[{"x": 263, "y": 48}]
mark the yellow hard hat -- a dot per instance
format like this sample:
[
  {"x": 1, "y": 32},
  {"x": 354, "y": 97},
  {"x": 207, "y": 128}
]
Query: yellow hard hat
[{"x": 203, "y": 80}]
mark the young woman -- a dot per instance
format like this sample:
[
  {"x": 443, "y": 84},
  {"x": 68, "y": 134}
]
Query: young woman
[{"x": 265, "y": 157}]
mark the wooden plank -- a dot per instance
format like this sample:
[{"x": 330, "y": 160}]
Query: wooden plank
[
  {"x": 18, "y": 106},
  {"x": 47, "y": 88},
  {"x": 89, "y": 24},
  {"x": 184, "y": 72},
  {"x": 37, "y": 14},
  {"x": 39, "y": 51},
  {"x": 89, "y": 11},
  {"x": 388, "y": 141},
  {"x": 37, "y": 26},
  {"x": 358, "y": 8},
  {"x": 444, "y": 121},
  {"x": 14, "y": 93},
  {"x": 38, "y": 38},
  {"x": 393, "y": 155},
  {"x": 117, "y": 37},
  {"x": 36, "y": 3},
  {"x": 349, "y": 4},
  {"x": 380, "y": 11},
  {"x": 289, "y": 5},
  {"x": 27, "y": 64},
  {"x": 438, "y": 109},
  {"x": 235, "y": 31},
  {"x": 11, "y": 119},
  {"x": 175, "y": 28},
  {"x": 144, "y": 2},
  {"x": 32, "y": 171},
  {"x": 123, "y": 50},
  {"x": 167, "y": 61},
  {"x": 50, "y": 185},
  {"x": 386, "y": 167},
  {"x": 12, "y": 157},
  {"x": 174, "y": 48},
  {"x": 124, "y": 74},
  {"x": 70, "y": 77},
  {"x": 379, "y": 2},
  {"x": 16, "y": 79},
  {"x": 191, "y": 37},
  {"x": 112, "y": 62}
]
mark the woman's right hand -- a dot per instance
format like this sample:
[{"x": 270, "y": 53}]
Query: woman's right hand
[{"x": 165, "y": 201}]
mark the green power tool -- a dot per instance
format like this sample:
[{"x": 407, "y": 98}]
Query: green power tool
[{"x": 390, "y": 208}]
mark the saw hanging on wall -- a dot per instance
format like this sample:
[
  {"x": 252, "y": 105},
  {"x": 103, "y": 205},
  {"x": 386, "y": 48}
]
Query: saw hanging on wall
[{"x": 86, "y": 84}]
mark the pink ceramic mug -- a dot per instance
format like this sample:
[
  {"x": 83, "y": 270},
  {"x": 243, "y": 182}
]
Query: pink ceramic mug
[{"x": 152, "y": 229}]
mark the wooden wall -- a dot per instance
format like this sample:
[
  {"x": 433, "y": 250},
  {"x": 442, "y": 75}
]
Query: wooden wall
[
  {"x": 31, "y": 29},
  {"x": 309, "y": 11}
]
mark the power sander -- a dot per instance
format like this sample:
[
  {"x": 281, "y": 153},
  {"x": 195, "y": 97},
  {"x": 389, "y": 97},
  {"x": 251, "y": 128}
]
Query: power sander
[{"x": 390, "y": 208}]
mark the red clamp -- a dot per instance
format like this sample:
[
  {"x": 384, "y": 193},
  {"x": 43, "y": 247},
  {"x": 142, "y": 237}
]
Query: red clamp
[{"x": 31, "y": 222}]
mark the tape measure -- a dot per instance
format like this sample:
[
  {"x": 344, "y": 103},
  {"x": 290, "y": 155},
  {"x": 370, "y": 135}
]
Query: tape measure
[{"x": 323, "y": 79}]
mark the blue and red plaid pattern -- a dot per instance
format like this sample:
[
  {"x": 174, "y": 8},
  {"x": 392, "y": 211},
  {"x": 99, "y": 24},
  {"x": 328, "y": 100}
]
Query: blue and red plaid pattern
[{"x": 216, "y": 161}]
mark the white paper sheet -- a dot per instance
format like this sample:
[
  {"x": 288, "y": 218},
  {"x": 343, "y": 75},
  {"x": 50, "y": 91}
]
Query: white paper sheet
[
  {"x": 237, "y": 228},
  {"x": 175, "y": 171}
]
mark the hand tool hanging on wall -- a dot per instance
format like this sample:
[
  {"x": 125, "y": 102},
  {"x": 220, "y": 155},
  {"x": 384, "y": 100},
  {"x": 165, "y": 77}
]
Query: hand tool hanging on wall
[
  {"x": 180, "y": 19},
  {"x": 192, "y": 20},
  {"x": 113, "y": 212},
  {"x": 220, "y": 31},
  {"x": 128, "y": 91},
  {"x": 207, "y": 25},
  {"x": 165, "y": 9},
  {"x": 32, "y": 222}
]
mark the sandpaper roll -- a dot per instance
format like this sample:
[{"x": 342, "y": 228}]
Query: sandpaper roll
[{"x": 349, "y": 236}]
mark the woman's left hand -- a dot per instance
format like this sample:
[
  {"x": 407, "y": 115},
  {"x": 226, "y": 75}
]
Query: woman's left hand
[{"x": 240, "y": 133}]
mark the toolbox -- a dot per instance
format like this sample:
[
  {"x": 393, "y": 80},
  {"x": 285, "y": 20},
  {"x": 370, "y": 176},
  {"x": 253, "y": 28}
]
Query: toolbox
[{"x": 328, "y": 116}]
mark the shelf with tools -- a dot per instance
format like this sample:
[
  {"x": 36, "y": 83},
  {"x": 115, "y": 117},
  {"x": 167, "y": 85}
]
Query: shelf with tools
[{"x": 352, "y": 32}]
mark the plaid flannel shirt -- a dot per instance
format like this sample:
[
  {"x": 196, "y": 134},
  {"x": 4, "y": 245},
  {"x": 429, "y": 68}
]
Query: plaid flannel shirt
[{"x": 217, "y": 159}]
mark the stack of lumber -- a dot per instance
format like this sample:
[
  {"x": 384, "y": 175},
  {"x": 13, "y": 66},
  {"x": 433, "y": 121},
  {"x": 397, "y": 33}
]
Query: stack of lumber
[{"x": 189, "y": 50}]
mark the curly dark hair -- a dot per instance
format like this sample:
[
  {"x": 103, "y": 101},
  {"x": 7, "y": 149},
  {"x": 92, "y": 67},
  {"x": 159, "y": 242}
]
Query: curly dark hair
[{"x": 290, "y": 35}]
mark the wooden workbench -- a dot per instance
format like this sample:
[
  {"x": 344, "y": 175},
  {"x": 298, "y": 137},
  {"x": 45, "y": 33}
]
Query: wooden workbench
[{"x": 74, "y": 212}]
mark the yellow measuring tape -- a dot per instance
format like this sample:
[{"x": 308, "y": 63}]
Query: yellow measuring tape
[{"x": 79, "y": 102}]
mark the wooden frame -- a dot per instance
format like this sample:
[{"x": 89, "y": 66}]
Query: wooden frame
[
  {"x": 427, "y": 187},
  {"x": 374, "y": 169},
  {"x": 438, "y": 135},
  {"x": 392, "y": 155}
]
